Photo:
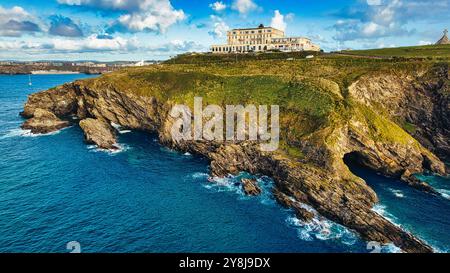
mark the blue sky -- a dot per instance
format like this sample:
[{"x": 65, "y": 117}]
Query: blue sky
[{"x": 158, "y": 29}]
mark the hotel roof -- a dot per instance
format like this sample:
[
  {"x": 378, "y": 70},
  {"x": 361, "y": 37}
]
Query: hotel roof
[{"x": 253, "y": 28}]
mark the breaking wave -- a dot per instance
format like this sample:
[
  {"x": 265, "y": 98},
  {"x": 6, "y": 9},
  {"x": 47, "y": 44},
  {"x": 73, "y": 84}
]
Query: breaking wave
[
  {"x": 121, "y": 148},
  {"x": 381, "y": 210},
  {"x": 444, "y": 193},
  {"x": 397, "y": 193},
  {"x": 200, "y": 175},
  {"x": 321, "y": 228},
  {"x": 119, "y": 128},
  {"x": 17, "y": 132},
  {"x": 232, "y": 183}
]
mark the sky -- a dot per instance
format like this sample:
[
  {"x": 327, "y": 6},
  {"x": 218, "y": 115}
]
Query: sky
[{"x": 132, "y": 30}]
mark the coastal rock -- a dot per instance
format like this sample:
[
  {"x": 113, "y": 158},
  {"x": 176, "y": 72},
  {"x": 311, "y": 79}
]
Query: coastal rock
[
  {"x": 43, "y": 122},
  {"x": 320, "y": 179},
  {"x": 343, "y": 197},
  {"x": 99, "y": 132},
  {"x": 60, "y": 101},
  {"x": 301, "y": 212},
  {"x": 250, "y": 187},
  {"x": 420, "y": 103}
]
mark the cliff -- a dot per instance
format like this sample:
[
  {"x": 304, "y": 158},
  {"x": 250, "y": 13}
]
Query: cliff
[{"x": 329, "y": 109}]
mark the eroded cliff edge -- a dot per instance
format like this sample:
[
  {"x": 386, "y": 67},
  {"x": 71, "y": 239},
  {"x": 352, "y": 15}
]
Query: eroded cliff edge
[{"x": 309, "y": 169}]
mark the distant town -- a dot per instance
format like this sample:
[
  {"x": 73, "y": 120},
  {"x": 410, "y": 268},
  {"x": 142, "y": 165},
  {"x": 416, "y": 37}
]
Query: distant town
[
  {"x": 239, "y": 41},
  {"x": 66, "y": 67}
]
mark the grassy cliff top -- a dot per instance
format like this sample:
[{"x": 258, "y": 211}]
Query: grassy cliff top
[
  {"x": 428, "y": 51},
  {"x": 312, "y": 93}
]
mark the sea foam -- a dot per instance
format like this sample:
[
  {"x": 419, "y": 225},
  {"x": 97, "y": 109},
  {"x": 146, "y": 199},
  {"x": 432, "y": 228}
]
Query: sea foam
[
  {"x": 397, "y": 193},
  {"x": 17, "y": 132},
  {"x": 321, "y": 228},
  {"x": 232, "y": 183},
  {"x": 120, "y": 148}
]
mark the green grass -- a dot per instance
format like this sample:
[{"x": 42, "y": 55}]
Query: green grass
[
  {"x": 312, "y": 93},
  {"x": 409, "y": 127},
  {"x": 429, "y": 51},
  {"x": 199, "y": 58}
]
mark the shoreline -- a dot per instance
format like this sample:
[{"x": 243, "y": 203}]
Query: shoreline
[{"x": 53, "y": 72}]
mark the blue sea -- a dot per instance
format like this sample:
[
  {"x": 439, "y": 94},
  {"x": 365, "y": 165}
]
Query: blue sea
[{"x": 55, "y": 189}]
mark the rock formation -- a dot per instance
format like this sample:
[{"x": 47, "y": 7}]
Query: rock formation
[
  {"x": 250, "y": 187},
  {"x": 43, "y": 121},
  {"x": 420, "y": 103},
  {"x": 99, "y": 132},
  {"x": 319, "y": 179}
]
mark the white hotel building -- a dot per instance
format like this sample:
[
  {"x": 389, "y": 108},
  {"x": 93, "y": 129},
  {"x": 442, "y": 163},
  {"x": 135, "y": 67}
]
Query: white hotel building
[{"x": 262, "y": 39}]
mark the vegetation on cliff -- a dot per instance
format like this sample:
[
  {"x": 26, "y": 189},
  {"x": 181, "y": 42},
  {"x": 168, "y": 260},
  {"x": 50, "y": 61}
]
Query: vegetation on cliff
[
  {"x": 427, "y": 51},
  {"x": 312, "y": 94},
  {"x": 330, "y": 106}
]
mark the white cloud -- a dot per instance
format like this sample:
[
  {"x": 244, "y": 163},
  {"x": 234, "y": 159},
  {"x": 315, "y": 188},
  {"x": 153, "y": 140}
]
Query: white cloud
[
  {"x": 16, "y": 21},
  {"x": 158, "y": 21},
  {"x": 218, "y": 6},
  {"x": 176, "y": 46},
  {"x": 278, "y": 21},
  {"x": 94, "y": 44},
  {"x": 388, "y": 18},
  {"x": 422, "y": 43},
  {"x": 137, "y": 15},
  {"x": 244, "y": 6},
  {"x": 220, "y": 28}
]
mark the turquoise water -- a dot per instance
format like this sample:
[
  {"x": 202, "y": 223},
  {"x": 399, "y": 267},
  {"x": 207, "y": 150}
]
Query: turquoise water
[
  {"x": 423, "y": 214},
  {"x": 146, "y": 198}
]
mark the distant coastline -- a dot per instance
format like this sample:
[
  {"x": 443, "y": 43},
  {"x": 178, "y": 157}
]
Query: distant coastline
[
  {"x": 61, "y": 67},
  {"x": 54, "y": 72}
]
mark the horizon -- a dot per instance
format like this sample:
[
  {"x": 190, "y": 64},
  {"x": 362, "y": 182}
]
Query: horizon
[{"x": 133, "y": 30}]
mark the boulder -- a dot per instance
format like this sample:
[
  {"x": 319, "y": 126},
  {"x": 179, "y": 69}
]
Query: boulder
[
  {"x": 100, "y": 133},
  {"x": 250, "y": 187},
  {"x": 43, "y": 122}
]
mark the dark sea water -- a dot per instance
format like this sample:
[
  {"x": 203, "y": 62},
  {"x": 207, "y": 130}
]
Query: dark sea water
[{"x": 55, "y": 189}]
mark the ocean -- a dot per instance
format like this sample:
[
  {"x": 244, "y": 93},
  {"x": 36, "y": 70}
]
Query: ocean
[{"x": 55, "y": 189}]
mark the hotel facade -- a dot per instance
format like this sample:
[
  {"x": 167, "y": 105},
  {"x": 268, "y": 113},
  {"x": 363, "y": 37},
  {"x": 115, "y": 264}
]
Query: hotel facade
[{"x": 262, "y": 39}]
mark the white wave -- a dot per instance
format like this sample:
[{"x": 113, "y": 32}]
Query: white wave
[
  {"x": 187, "y": 154},
  {"x": 116, "y": 126},
  {"x": 444, "y": 193},
  {"x": 119, "y": 128},
  {"x": 322, "y": 229},
  {"x": 120, "y": 148},
  {"x": 17, "y": 132},
  {"x": 222, "y": 184},
  {"x": 232, "y": 184},
  {"x": 381, "y": 210},
  {"x": 390, "y": 248},
  {"x": 397, "y": 193},
  {"x": 200, "y": 175}
]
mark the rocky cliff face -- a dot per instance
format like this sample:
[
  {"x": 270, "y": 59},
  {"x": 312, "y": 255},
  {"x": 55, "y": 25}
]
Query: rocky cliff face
[
  {"x": 420, "y": 103},
  {"x": 321, "y": 179}
]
